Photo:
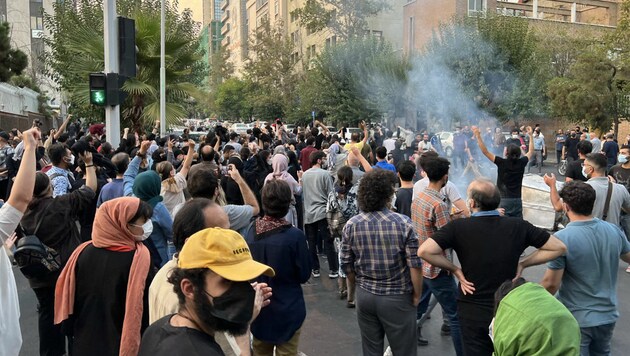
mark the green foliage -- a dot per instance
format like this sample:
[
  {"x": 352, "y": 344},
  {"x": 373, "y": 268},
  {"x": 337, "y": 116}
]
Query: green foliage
[
  {"x": 12, "y": 61},
  {"x": 361, "y": 79},
  {"x": 270, "y": 72},
  {"x": 347, "y": 19},
  {"x": 231, "y": 100},
  {"x": 76, "y": 49},
  {"x": 492, "y": 60}
]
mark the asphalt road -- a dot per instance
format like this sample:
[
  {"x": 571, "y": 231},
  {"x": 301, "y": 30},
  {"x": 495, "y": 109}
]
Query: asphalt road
[{"x": 331, "y": 328}]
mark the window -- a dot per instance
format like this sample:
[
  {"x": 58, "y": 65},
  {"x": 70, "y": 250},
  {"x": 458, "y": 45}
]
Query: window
[
  {"x": 293, "y": 17},
  {"x": 310, "y": 52},
  {"x": 331, "y": 41},
  {"x": 37, "y": 23},
  {"x": 411, "y": 36},
  {"x": 377, "y": 34},
  {"x": 477, "y": 7}
]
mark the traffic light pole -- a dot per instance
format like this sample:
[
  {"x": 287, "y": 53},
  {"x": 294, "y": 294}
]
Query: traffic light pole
[{"x": 110, "y": 30}]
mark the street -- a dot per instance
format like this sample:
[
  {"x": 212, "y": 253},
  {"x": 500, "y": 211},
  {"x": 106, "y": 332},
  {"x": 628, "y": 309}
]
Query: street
[{"x": 331, "y": 328}]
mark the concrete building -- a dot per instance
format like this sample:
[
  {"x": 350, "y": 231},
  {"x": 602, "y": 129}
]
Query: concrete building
[
  {"x": 242, "y": 17},
  {"x": 422, "y": 17}
]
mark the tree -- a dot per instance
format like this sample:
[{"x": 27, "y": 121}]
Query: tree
[
  {"x": 231, "y": 99},
  {"x": 12, "y": 61},
  {"x": 270, "y": 72},
  {"x": 488, "y": 64},
  {"x": 76, "y": 49},
  {"x": 347, "y": 19}
]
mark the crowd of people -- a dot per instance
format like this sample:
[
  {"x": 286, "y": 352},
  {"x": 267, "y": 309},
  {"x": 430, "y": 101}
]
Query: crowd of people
[{"x": 165, "y": 245}]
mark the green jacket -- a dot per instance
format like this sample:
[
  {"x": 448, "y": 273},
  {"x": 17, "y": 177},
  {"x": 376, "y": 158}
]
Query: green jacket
[{"x": 531, "y": 322}]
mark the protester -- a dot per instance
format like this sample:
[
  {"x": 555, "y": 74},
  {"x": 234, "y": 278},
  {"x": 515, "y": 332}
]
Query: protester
[
  {"x": 539, "y": 150},
  {"x": 429, "y": 213},
  {"x": 53, "y": 221},
  {"x": 174, "y": 184},
  {"x": 211, "y": 283},
  {"x": 274, "y": 242},
  {"x": 560, "y": 140},
  {"x": 478, "y": 241},
  {"x": 621, "y": 174},
  {"x": 529, "y": 321},
  {"x": 585, "y": 278},
  {"x": 404, "y": 195},
  {"x": 146, "y": 186},
  {"x": 61, "y": 177},
  {"x": 103, "y": 284},
  {"x": 355, "y": 139},
  {"x": 10, "y": 215},
  {"x": 379, "y": 250},
  {"x": 596, "y": 142},
  {"x": 381, "y": 157},
  {"x": 510, "y": 174},
  {"x": 574, "y": 168},
  {"x": 305, "y": 154},
  {"x": 280, "y": 164},
  {"x": 115, "y": 188},
  {"x": 569, "y": 150},
  {"x": 317, "y": 184}
]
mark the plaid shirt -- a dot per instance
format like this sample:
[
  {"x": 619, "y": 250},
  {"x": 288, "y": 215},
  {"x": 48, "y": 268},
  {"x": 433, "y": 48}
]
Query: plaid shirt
[
  {"x": 430, "y": 212},
  {"x": 380, "y": 247}
]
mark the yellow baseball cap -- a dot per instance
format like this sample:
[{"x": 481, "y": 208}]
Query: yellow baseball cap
[{"x": 223, "y": 251}]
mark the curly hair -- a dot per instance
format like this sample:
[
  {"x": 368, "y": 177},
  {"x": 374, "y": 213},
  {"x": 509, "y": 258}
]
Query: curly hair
[
  {"x": 376, "y": 190},
  {"x": 197, "y": 276},
  {"x": 579, "y": 196}
]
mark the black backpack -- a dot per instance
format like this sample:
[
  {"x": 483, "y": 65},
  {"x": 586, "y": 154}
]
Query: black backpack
[{"x": 33, "y": 257}]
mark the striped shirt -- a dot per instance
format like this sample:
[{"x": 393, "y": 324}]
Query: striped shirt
[
  {"x": 430, "y": 212},
  {"x": 380, "y": 247}
]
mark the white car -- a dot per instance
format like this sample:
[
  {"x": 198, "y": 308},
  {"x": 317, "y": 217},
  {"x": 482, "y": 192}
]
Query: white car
[
  {"x": 350, "y": 131},
  {"x": 446, "y": 138},
  {"x": 239, "y": 128}
]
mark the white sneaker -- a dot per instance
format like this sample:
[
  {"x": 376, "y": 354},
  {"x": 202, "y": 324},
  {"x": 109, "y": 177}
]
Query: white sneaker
[
  {"x": 388, "y": 352},
  {"x": 628, "y": 269}
]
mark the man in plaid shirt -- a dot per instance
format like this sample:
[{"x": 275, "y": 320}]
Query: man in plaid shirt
[
  {"x": 379, "y": 249},
  {"x": 430, "y": 212}
]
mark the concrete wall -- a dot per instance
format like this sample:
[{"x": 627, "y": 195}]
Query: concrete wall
[{"x": 16, "y": 100}]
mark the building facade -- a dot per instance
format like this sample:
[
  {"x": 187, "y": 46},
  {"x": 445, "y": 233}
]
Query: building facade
[{"x": 422, "y": 17}]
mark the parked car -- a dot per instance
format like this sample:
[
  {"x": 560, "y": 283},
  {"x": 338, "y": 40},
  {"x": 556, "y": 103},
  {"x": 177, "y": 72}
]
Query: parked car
[
  {"x": 239, "y": 128},
  {"x": 350, "y": 131},
  {"x": 446, "y": 138}
]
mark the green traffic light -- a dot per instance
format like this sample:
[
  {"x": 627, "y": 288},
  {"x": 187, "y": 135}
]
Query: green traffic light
[{"x": 97, "y": 97}]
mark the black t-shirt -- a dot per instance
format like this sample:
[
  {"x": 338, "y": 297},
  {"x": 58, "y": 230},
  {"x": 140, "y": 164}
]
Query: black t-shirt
[
  {"x": 510, "y": 176},
  {"x": 163, "y": 339},
  {"x": 318, "y": 141},
  {"x": 621, "y": 175},
  {"x": 403, "y": 201},
  {"x": 571, "y": 147},
  {"x": 574, "y": 170},
  {"x": 489, "y": 248}
]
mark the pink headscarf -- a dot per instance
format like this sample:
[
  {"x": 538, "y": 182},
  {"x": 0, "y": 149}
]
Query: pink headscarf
[{"x": 280, "y": 164}]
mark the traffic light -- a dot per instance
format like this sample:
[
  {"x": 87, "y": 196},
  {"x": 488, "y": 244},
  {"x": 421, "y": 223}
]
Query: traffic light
[
  {"x": 104, "y": 89},
  {"x": 98, "y": 89},
  {"x": 127, "y": 49}
]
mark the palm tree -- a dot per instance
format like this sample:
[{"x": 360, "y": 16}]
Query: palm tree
[{"x": 76, "y": 49}]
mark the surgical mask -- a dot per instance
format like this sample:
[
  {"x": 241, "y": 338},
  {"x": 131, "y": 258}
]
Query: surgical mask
[
  {"x": 584, "y": 172},
  {"x": 514, "y": 136},
  {"x": 71, "y": 160},
  {"x": 147, "y": 229},
  {"x": 622, "y": 158}
]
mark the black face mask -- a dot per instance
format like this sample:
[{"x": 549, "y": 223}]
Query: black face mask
[{"x": 231, "y": 312}]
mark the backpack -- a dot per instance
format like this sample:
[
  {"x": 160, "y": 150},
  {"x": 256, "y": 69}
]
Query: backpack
[
  {"x": 33, "y": 257},
  {"x": 335, "y": 218}
]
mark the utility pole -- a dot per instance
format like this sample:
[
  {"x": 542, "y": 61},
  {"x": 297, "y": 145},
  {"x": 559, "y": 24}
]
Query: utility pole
[
  {"x": 110, "y": 30},
  {"x": 162, "y": 70}
]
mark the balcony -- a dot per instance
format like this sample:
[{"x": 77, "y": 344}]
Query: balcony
[
  {"x": 225, "y": 4},
  {"x": 591, "y": 12},
  {"x": 225, "y": 16},
  {"x": 225, "y": 29}
]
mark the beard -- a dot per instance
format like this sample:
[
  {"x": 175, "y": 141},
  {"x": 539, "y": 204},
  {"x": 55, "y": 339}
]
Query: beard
[{"x": 203, "y": 308}]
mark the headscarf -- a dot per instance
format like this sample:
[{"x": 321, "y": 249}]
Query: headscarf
[
  {"x": 280, "y": 164},
  {"x": 147, "y": 187},
  {"x": 279, "y": 150},
  {"x": 110, "y": 232}
]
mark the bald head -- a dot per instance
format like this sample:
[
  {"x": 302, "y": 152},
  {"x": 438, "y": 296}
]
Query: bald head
[
  {"x": 207, "y": 153},
  {"x": 483, "y": 195},
  {"x": 216, "y": 217}
]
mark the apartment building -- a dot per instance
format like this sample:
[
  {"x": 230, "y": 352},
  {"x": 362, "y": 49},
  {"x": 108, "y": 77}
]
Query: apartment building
[
  {"x": 422, "y": 17},
  {"x": 242, "y": 17}
]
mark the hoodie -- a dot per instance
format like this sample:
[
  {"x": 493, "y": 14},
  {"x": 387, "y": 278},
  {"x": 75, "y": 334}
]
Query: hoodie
[{"x": 532, "y": 322}]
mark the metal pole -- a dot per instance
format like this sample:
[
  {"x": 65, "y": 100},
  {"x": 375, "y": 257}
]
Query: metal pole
[
  {"x": 162, "y": 71},
  {"x": 110, "y": 30}
]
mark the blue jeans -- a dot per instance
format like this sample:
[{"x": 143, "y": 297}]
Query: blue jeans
[
  {"x": 596, "y": 340},
  {"x": 444, "y": 289},
  {"x": 513, "y": 207}
]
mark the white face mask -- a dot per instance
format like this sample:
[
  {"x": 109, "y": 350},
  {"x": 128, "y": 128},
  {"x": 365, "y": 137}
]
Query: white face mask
[
  {"x": 71, "y": 160},
  {"x": 147, "y": 229},
  {"x": 622, "y": 158},
  {"x": 514, "y": 136}
]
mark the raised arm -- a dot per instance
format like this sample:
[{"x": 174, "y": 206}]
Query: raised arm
[
  {"x": 63, "y": 126},
  {"x": 90, "y": 171},
  {"x": 189, "y": 158},
  {"x": 365, "y": 131},
  {"x": 248, "y": 196},
  {"x": 482, "y": 145},
  {"x": 556, "y": 201},
  {"x": 530, "y": 151},
  {"x": 133, "y": 168},
  {"x": 22, "y": 191},
  {"x": 364, "y": 163}
]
